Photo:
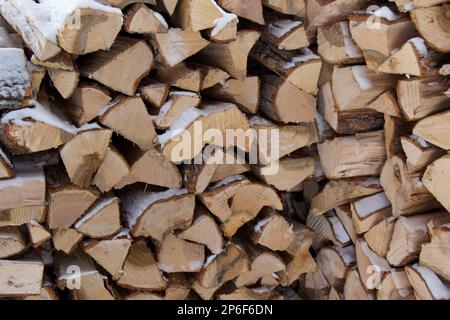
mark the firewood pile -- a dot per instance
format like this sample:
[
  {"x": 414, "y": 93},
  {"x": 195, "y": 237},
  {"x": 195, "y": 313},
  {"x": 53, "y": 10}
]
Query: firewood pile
[{"x": 224, "y": 149}]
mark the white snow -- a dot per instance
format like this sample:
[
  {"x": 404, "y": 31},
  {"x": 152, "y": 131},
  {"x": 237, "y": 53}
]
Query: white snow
[
  {"x": 262, "y": 223},
  {"x": 359, "y": 72},
  {"x": 210, "y": 259},
  {"x": 226, "y": 180},
  {"x": 14, "y": 77},
  {"x": 169, "y": 103},
  {"x": 420, "y": 140},
  {"x": 260, "y": 290},
  {"x": 338, "y": 229},
  {"x": 43, "y": 114},
  {"x": 438, "y": 289},
  {"x": 23, "y": 177},
  {"x": 188, "y": 117},
  {"x": 408, "y": 6},
  {"x": 183, "y": 93},
  {"x": 374, "y": 259},
  {"x": 134, "y": 204},
  {"x": 123, "y": 233},
  {"x": 108, "y": 106},
  {"x": 165, "y": 267},
  {"x": 371, "y": 182},
  {"x": 386, "y": 13},
  {"x": 281, "y": 27},
  {"x": 368, "y": 205},
  {"x": 419, "y": 43},
  {"x": 306, "y": 55},
  {"x": 347, "y": 253},
  {"x": 5, "y": 157},
  {"x": 222, "y": 22},
  {"x": 447, "y": 226},
  {"x": 322, "y": 125},
  {"x": 195, "y": 265},
  {"x": 414, "y": 223},
  {"x": 94, "y": 209},
  {"x": 71, "y": 276},
  {"x": 161, "y": 19},
  {"x": 351, "y": 48},
  {"x": 400, "y": 285},
  {"x": 258, "y": 120}
]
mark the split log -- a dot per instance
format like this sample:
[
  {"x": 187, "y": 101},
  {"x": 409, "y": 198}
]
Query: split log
[
  {"x": 352, "y": 156},
  {"x": 38, "y": 233},
  {"x": 409, "y": 234},
  {"x": 419, "y": 97},
  {"x": 386, "y": 103},
  {"x": 340, "y": 192},
  {"x": 419, "y": 153},
  {"x": 354, "y": 288},
  {"x": 286, "y": 34},
  {"x": 251, "y": 10},
  {"x": 314, "y": 286},
  {"x": 435, "y": 179},
  {"x": 66, "y": 240},
  {"x": 20, "y": 278},
  {"x": 372, "y": 268},
  {"x": 368, "y": 211},
  {"x": 394, "y": 129},
  {"x": 245, "y": 94},
  {"x": 22, "y": 215},
  {"x": 123, "y": 3},
  {"x": 141, "y": 19},
  {"x": 84, "y": 154},
  {"x": 435, "y": 129},
  {"x": 427, "y": 285},
  {"x": 6, "y": 166},
  {"x": 334, "y": 262},
  {"x": 140, "y": 271},
  {"x": 328, "y": 228},
  {"x": 110, "y": 254},
  {"x": 213, "y": 76},
  {"x": 175, "y": 106},
  {"x": 434, "y": 254},
  {"x": 176, "y": 45},
  {"x": 12, "y": 242},
  {"x": 197, "y": 15},
  {"x": 129, "y": 54},
  {"x": 273, "y": 231},
  {"x": 322, "y": 13},
  {"x": 344, "y": 213},
  {"x": 112, "y": 171},
  {"x": 154, "y": 214},
  {"x": 406, "y": 5},
  {"x": 198, "y": 176},
  {"x": 395, "y": 286},
  {"x": 37, "y": 74},
  {"x": 64, "y": 81},
  {"x": 289, "y": 7},
  {"x": 232, "y": 56},
  {"x": 433, "y": 24},
  {"x": 128, "y": 117},
  {"x": 178, "y": 255},
  {"x": 182, "y": 75},
  {"x": 405, "y": 189},
  {"x": 379, "y": 236}
]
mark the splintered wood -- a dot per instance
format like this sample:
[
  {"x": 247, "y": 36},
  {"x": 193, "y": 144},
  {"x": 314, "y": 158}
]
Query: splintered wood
[{"x": 225, "y": 149}]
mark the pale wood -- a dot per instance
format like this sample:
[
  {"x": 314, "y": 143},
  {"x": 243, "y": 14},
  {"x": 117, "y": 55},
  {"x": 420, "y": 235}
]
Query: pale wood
[
  {"x": 354, "y": 288},
  {"x": 344, "y": 213},
  {"x": 123, "y": 3},
  {"x": 64, "y": 81},
  {"x": 285, "y": 34},
  {"x": 154, "y": 93},
  {"x": 198, "y": 176},
  {"x": 328, "y": 228},
  {"x": 290, "y": 7},
  {"x": 12, "y": 242},
  {"x": 435, "y": 254},
  {"x": 213, "y": 76},
  {"x": 6, "y": 167},
  {"x": 22, "y": 215},
  {"x": 379, "y": 236},
  {"x": 38, "y": 233},
  {"x": 141, "y": 19},
  {"x": 368, "y": 211},
  {"x": 435, "y": 180},
  {"x": 334, "y": 262},
  {"x": 435, "y": 129},
  {"x": 322, "y": 13},
  {"x": 427, "y": 285},
  {"x": 273, "y": 231},
  {"x": 19, "y": 277},
  {"x": 394, "y": 129},
  {"x": 371, "y": 267},
  {"x": 196, "y": 15},
  {"x": 314, "y": 286},
  {"x": 129, "y": 54},
  {"x": 113, "y": 169},
  {"x": 251, "y": 10},
  {"x": 66, "y": 240},
  {"x": 175, "y": 106},
  {"x": 182, "y": 75},
  {"x": 419, "y": 154},
  {"x": 395, "y": 286},
  {"x": 386, "y": 103}
]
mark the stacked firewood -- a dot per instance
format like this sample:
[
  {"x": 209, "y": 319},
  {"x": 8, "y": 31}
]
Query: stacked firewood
[{"x": 98, "y": 202}]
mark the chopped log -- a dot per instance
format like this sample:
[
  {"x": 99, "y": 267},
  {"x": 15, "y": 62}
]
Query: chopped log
[
  {"x": 290, "y": 7},
  {"x": 204, "y": 230},
  {"x": 84, "y": 154},
  {"x": 141, "y": 19},
  {"x": 110, "y": 254},
  {"x": 409, "y": 234},
  {"x": 177, "y": 145},
  {"x": 6, "y": 167},
  {"x": 64, "y": 81},
  {"x": 187, "y": 43},
  {"x": 178, "y": 255},
  {"x": 175, "y": 106},
  {"x": 232, "y": 56},
  {"x": 419, "y": 153},
  {"x": 344, "y": 213},
  {"x": 282, "y": 101},
  {"x": 27, "y": 188},
  {"x": 354, "y": 288},
  {"x": 314, "y": 286},
  {"x": 22, "y": 215},
  {"x": 300, "y": 67},
  {"x": 38, "y": 233},
  {"x": 371, "y": 267},
  {"x": 20, "y": 278},
  {"x": 435, "y": 179},
  {"x": 154, "y": 214},
  {"x": 128, "y": 117},
  {"x": 286, "y": 34},
  {"x": 86, "y": 102},
  {"x": 427, "y": 285},
  {"x": 129, "y": 54},
  {"x": 238, "y": 167},
  {"x": 37, "y": 74},
  {"x": 336, "y": 45},
  {"x": 433, "y": 24},
  {"x": 322, "y": 13},
  {"x": 184, "y": 76},
  {"x": 334, "y": 262},
  {"x": 12, "y": 242},
  {"x": 273, "y": 231},
  {"x": 405, "y": 189},
  {"x": 340, "y": 192},
  {"x": 123, "y": 3},
  {"x": 140, "y": 271},
  {"x": 368, "y": 211},
  {"x": 394, "y": 129},
  {"x": 251, "y": 10},
  {"x": 250, "y": 294},
  {"x": 395, "y": 286},
  {"x": 435, "y": 129},
  {"x": 386, "y": 103},
  {"x": 435, "y": 254},
  {"x": 225, "y": 29},
  {"x": 379, "y": 236},
  {"x": 226, "y": 266},
  {"x": 15, "y": 83},
  {"x": 245, "y": 94},
  {"x": 328, "y": 228},
  {"x": 151, "y": 167},
  {"x": 419, "y": 97},
  {"x": 349, "y": 121},
  {"x": 352, "y": 156},
  {"x": 197, "y": 15},
  {"x": 66, "y": 240},
  {"x": 63, "y": 62},
  {"x": 406, "y": 5},
  {"x": 101, "y": 220},
  {"x": 198, "y": 176},
  {"x": 291, "y": 173},
  {"x": 355, "y": 87},
  {"x": 113, "y": 170},
  {"x": 154, "y": 93},
  {"x": 380, "y": 34},
  {"x": 213, "y": 76}
]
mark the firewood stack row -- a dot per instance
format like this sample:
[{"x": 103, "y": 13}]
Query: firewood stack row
[{"x": 98, "y": 202}]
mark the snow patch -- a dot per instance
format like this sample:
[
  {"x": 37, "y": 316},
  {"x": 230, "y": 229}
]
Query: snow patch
[
  {"x": 262, "y": 223},
  {"x": 438, "y": 289},
  {"x": 351, "y": 48},
  {"x": 5, "y": 157},
  {"x": 258, "y": 120},
  {"x": 226, "y": 181},
  {"x": 386, "y": 13},
  {"x": 347, "y": 254},
  {"x": 93, "y": 210},
  {"x": 282, "y": 27},
  {"x": 14, "y": 77},
  {"x": 22, "y": 178},
  {"x": 338, "y": 229},
  {"x": 368, "y": 205},
  {"x": 306, "y": 55},
  {"x": 222, "y": 22},
  {"x": 374, "y": 258},
  {"x": 420, "y": 45},
  {"x": 359, "y": 72}
]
